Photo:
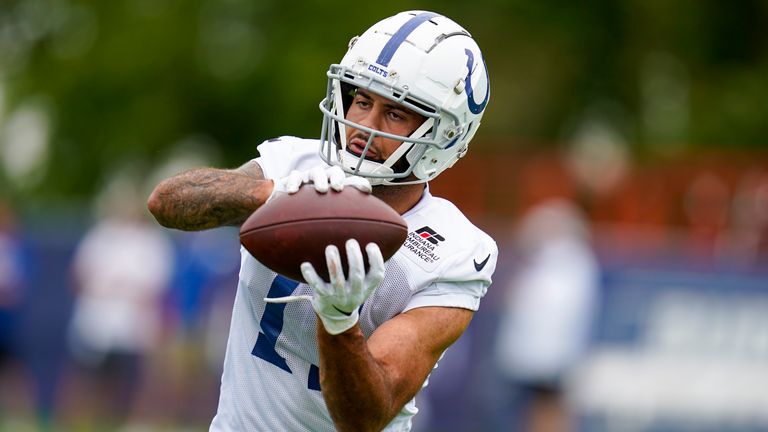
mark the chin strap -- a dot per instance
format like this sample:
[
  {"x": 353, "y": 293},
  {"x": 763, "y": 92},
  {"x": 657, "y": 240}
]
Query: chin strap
[{"x": 349, "y": 161}]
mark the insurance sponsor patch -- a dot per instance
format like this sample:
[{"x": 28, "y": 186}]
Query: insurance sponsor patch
[{"x": 423, "y": 246}]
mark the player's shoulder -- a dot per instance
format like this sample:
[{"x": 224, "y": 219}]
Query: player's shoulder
[
  {"x": 288, "y": 143},
  {"x": 441, "y": 237},
  {"x": 443, "y": 215},
  {"x": 278, "y": 156}
]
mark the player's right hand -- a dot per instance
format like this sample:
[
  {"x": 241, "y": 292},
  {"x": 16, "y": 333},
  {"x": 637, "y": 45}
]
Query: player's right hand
[{"x": 322, "y": 178}]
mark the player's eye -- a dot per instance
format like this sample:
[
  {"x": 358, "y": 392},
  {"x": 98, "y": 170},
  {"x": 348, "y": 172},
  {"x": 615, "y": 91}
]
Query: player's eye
[{"x": 362, "y": 103}]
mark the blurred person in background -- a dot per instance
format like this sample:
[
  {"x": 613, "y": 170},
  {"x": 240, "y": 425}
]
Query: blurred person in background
[
  {"x": 207, "y": 265},
  {"x": 746, "y": 243},
  {"x": 121, "y": 269},
  {"x": 706, "y": 204},
  {"x": 11, "y": 294},
  {"x": 198, "y": 305},
  {"x": 546, "y": 322}
]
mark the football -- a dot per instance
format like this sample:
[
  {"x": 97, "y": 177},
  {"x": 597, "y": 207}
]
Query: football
[{"x": 294, "y": 228}]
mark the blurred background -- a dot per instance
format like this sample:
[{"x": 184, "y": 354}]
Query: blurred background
[{"x": 622, "y": 168}]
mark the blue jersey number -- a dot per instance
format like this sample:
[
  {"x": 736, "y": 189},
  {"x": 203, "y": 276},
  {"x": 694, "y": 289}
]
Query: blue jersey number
[{"x": 272, "y": 324}]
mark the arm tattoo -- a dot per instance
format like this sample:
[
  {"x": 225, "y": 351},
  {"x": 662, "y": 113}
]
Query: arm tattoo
[
  {"x": 208, "y": 197},
  {"x": 252, "y": 169}
]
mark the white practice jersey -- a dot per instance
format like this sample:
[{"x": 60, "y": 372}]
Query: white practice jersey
[{"x": 271, "y": 379}]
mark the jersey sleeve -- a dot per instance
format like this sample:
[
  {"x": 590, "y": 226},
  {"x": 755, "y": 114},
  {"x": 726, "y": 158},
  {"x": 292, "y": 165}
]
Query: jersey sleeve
[
  {"x": 279, "y": 156},
  {"x": 465, "y": 295},
  {"x": 460, "y": 284},
  {"x": 457, "y": 267}
]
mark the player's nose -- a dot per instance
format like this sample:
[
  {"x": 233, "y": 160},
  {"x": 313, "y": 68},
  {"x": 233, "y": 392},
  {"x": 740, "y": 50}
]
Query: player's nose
[{"x": 371, "y": 119}]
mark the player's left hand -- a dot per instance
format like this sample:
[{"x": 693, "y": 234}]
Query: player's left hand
[{"x": 337, "y": 302}]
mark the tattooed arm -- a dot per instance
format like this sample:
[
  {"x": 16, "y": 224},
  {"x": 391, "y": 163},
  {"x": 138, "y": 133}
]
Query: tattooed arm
[{"x": 209, "y": 197}]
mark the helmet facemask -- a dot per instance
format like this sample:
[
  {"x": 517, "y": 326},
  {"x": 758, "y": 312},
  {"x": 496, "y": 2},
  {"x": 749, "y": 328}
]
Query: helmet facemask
[
  {"x": 423, "y": 62},
  {"x": 398, "y": 168}
]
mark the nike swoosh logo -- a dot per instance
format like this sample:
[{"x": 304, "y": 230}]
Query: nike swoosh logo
[
  {"x": 341, "y": 311},
  {"x": 479, "y": 265}
]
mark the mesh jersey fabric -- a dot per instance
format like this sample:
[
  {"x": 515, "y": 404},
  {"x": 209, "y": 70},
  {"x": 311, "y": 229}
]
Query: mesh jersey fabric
[{"x": 271, "y": 379}]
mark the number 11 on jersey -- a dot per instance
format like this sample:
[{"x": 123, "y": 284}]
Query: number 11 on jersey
[{"x": 272, "y": 325}]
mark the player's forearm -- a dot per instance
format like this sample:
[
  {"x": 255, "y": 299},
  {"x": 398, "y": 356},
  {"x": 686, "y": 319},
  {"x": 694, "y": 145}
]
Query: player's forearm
[
  {"x": 355, "y": 387},
  {"x": 207, "y": 198}
]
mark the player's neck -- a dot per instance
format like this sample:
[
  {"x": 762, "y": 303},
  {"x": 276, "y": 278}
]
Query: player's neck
[{"x": 400, "y": 198}]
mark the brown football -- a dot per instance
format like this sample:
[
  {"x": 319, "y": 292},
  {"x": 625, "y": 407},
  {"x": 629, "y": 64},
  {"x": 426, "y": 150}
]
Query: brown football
[{"x": 292, "y": 229}]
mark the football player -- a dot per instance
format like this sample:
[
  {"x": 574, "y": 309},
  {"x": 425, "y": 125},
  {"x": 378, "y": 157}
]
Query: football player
[{"x": 351, "y": 353}]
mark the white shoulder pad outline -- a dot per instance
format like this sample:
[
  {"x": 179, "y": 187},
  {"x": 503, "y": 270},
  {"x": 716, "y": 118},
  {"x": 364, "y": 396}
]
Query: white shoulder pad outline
[
  {"x": 441, "y": 239},
  {"x": 279, "y": 156}
]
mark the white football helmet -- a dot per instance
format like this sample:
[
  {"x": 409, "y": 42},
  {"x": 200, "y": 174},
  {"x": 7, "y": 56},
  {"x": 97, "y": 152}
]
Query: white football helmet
[{"x": 425, "y": 62}]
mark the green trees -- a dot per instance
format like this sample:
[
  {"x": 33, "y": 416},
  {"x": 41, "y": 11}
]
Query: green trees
[{"x": 88, "y": 87}]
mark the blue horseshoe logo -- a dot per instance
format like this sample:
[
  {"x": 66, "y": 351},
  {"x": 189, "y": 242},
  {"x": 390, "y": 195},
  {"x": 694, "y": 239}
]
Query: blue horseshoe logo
[{"x": 475, "y": 107}]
